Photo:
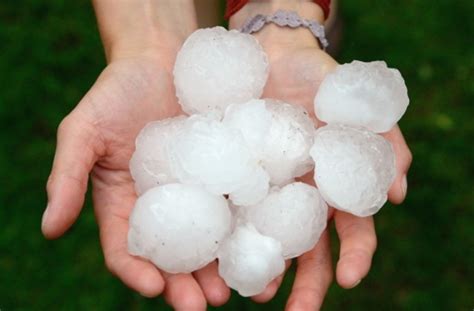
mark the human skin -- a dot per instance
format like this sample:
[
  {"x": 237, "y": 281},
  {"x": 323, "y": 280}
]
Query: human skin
[
  {"x": 297, "y": 67},
  {"x": 141, "y": 39}
]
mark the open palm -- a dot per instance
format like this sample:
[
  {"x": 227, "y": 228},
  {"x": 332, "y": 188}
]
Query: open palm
[
  {"x": 98, "y": 137},
  {"x": 295, "y": 75}
]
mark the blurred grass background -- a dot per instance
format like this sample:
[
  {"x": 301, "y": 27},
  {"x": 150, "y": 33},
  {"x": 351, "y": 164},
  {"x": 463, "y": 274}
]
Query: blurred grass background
[{"x": 50, "y": 54}]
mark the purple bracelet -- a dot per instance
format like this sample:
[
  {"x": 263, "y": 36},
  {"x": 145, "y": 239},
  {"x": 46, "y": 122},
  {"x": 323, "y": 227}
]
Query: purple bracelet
[{"x": 286, "y": 19}]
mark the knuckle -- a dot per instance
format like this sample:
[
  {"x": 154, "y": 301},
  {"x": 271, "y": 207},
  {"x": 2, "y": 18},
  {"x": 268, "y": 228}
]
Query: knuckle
[
  {"x": 111, "y": 264},
  {"x": 193, "y": 302},
  {"x": 49, "y": 184},
  {"x": 409, "y": 157},
  {"x": 65, "y": 125},
  {"x": 372, "y": 243}
]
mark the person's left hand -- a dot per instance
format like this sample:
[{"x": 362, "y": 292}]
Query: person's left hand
[
  {"x": 296, "y": 71},
  {"x": 98, "y": 138}
]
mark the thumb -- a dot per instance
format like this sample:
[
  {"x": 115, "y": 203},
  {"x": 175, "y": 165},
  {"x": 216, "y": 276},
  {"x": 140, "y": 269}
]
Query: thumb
[{"x": 76, "y": 153}]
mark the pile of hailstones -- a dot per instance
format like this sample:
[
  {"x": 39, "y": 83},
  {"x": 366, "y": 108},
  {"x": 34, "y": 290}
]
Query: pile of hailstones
[{"x": 219, "y": 182}]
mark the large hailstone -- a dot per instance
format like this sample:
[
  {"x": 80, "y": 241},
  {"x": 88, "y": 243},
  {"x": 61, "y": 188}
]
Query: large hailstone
[
  {"x": 248, "y": 261},
  {"x": 178, "y": 227},
  {"x": 254, "y": 190},
  {"x": 216, "y": 68},
  {"x": 149, "y": 165},
  {"x": 285, "y": 153},
  {"x": 294, "y": 215},
  {"x": 205, "y": 152},
  {"x": 354, "y": 168},
  {"x": 279, "y": 134},
  {"x": 253, "y": 120},
  {"x": 362, "y": 94}
]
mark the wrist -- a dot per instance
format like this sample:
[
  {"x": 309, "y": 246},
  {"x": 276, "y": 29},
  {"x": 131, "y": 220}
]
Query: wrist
[
  {"x": 274, "y": 37},
  {"x": 129, "y": 28},
  {"x": 154, "y": 43}
]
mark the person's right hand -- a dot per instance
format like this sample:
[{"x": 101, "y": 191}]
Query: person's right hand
[
  {"x": 297, "y": 68},
  {"x": 98, "y": 137}
]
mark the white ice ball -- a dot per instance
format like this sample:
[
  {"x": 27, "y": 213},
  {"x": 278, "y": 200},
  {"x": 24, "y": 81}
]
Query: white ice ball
[
  {"x": 178, "y": 227},
  {"x": 253, "y": 120},
  {"x": 370, "y": 95},
  {"x": 248, "y": 261},
  {"x": 254, "y": 191},
  {"x": 294, "y": 215},
  {"x": 354, "y": 168},
  {"x": 216, "y": 68},
  {"x": 205, "y": 152},
  {"x": 149, "y": 165},
  {"x": 279, "y": 134},
  {"x": 285, "y": 152}
]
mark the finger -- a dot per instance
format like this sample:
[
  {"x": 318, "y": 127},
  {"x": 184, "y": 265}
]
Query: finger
[
  {"x": 358, "y": 244},
  {"x": 77, "y": 149},
  {"x": 182, "y": 292},
  {"x": 135, "y": 272},
  {"x": 271, "y": 288},
  {"x": 313, "y": 277},
  {"x": 213, "y": 286},
  {"x": 403, "y": 159}
]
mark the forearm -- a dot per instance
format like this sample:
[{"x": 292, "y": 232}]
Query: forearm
[
  {"x": 133, "y": 26},
  {"x": 272, "y": 35}
]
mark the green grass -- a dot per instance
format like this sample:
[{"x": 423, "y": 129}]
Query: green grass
[{"x": 50, "y": 54}]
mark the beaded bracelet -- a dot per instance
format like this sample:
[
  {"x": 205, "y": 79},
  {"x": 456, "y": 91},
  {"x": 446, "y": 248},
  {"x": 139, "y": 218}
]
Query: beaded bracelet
[{"x": 286, "y": 19}]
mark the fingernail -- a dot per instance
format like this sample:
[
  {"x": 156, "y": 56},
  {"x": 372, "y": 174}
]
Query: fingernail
[
  {"x": 404, "y": 185},
  {"x": 45, "y": 216},
  {"x": 355, "y": 284}
]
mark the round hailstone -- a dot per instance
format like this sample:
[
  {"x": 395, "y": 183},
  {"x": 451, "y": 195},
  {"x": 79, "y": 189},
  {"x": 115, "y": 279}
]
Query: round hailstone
[
  {"x": 216, "y": 68},
  {"x": 294, "y": 215},
  {"x": 370, "y": 95},
  {"x": 285, "y": 153},
  {"x": 279, "y": 134},
  {"x": 178, "y": 227},
  {"x": 149, "y": 165},
  {"x": 205, "y": 152},
  {"x": 354, "y": 168},
  {"x": 254, "y": 191},
  {"x": 248, "y": 261},
  {"x": 253, "y": 119}
]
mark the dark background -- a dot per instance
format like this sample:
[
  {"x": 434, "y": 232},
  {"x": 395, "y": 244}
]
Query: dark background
[{"x": 50, "y": 54}]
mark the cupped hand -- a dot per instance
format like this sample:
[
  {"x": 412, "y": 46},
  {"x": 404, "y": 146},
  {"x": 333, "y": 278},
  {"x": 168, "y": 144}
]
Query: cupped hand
[
  {"x": 98, "y": 138},
  {"x": 296, "y": 71}
]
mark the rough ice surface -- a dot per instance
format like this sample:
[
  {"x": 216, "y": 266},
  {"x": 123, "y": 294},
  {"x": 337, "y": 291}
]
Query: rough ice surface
[
  {"x": 254, "y": 190},
  {"x": 248, "y": 261},
  {"x": 253, "y": 119},
  {"x": 370, "y": 95},
  {"x": 216, "y": 68},
  {"x": 285, "y": 153},
  {"x": 295, "y": 215},
  {"x": 205, "y": 152},
  {"x": 149, "y": 165},
  {"x": 354, "y": 168},
  {"x": 178, "y": 227}
]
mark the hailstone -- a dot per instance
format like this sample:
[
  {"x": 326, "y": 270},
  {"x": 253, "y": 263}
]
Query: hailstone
[
  {"x": 354, "y": 168},
  {"x": 279, "y": 134},
  {"x": 149, "y": 165},
  {"x": 294, "y": 215},
  {"x": 248, "y": 261},
  {"x": 363, "y": 94},
  {"x": 216, "y": 68},
  {"x": 254, "y": 190},
  {"x": 205, "y": 152},
  {"x": 253, "y": 119},
  {"x": 285, "y": 153},
  {"x": 178, "y": 227}
]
